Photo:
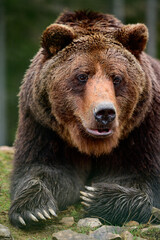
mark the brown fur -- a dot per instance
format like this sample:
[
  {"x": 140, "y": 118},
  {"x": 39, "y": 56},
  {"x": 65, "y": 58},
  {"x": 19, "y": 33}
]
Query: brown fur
[
  {"x": 83, "y": 21},
  {"x": 57, "y": 108}
]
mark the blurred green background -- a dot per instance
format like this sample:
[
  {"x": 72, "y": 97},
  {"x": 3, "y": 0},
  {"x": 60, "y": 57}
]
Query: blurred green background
[{"x": 21, "y": 25}]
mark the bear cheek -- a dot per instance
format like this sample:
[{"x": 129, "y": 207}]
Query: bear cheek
[
  {"x": 62, "y": 111},
  {"x": 127, "y": 106},
  {"x": 83, "y": 112},
  {"x": 61, "y": 104}
]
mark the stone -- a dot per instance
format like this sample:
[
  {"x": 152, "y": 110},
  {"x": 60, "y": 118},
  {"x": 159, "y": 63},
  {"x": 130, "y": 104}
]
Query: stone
[
  {"x": 103, "y": 232},
  {"x": 126, "y": 235},
  {"x": 112, "y": 236},
  {"x": 131, "y": 224},
  {"x": 70, "y": 235},
  {"x": 155, "y": 226},
  {"x": 67, "y": 221},
  {"x": 89, "y": 222},
  {"x": 145, "y": 230},
  {"x": 5, "y": 232},
  {"x": 151, "y": 231}
]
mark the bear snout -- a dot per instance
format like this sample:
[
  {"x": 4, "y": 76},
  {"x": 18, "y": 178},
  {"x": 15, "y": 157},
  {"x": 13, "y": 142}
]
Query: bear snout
[{"x": 104, "y": 113}]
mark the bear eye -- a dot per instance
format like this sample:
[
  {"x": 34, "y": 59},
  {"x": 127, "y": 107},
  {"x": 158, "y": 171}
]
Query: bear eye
[
  {"x": 117, "y": 79},
  {"x": 82, "y": 77}
]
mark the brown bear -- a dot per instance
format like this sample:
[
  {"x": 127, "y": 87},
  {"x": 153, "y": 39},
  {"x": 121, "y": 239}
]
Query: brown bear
[{"x": 89, "y": 124}]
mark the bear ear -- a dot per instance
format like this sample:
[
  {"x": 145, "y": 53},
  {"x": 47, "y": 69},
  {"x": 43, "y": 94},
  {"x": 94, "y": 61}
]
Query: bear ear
[
  {"x": 134, "y": 37},
  {"x": 56, "y": 37}
]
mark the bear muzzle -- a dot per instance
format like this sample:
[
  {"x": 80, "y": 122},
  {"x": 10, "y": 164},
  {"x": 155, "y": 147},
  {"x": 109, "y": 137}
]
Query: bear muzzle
[{"x": 104, "y": 116}]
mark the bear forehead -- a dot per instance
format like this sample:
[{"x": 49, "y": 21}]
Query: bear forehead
[
  {"x": 106, "y": 57},
  {"x": 97, "y": 40},
  {"x": 90, "y": 46}
]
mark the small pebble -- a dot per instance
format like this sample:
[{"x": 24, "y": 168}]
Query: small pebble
[
  {"x": 67, "y": 221},
  {"x": 131, "y": 224},
  {"x": 126, "y": 235},
  {"x": 112, "y": 236},
  {"x": 89, "y": 222}
]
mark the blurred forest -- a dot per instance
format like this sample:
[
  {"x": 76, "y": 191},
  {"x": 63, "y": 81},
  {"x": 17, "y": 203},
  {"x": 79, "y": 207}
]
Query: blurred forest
[{"x": 21, "y": 25}]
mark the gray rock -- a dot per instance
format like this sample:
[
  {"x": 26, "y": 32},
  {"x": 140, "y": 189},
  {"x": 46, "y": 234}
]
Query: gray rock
[
  {"x": 103, "y": 232},
  {"x": 144, "y": 230},
  {"x": 155, "y": 226},
  {"x": 89, "y": 222},
  {"x": 5, "y": 232},
  {"x": 70, "y": 235},
  {"x": 148, "y": 229},
  {"x": 151, "y": 231},
  {"x": 67, "y": 221},
  {"x": 112, "y": 236},
  {"x": 126, "y": 235}
]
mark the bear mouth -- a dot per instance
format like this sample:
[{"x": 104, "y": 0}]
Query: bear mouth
[{"x": 99, "y": 133}]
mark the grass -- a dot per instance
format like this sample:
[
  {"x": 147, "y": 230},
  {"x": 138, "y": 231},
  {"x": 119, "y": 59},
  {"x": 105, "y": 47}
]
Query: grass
[{"x": 53, "y": 225}]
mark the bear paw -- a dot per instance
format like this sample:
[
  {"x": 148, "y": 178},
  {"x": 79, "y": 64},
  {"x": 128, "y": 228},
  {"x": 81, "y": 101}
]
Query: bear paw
[
  {"x": 115, "y": 204},
  {"x": 32, "y": 206},
  {"x": 20, "y": 216}
]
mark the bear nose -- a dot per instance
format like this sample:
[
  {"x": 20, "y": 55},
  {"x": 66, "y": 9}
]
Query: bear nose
[{"x": 105, "y": 113}]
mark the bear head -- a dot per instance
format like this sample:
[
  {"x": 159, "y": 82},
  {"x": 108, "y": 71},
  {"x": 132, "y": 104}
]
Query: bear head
[{"x": 91, "y": 88}]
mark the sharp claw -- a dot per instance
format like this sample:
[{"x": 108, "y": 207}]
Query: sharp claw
[
  {"x": 86, "y": 194},
  {"x": 85, "y": 204},
  {"x": 41, "y": 215},
  {"x": 86, "y": 199},
  {"x": 52, "y": 212},
  {"x": 22, "y": 220},
  {"x": 90, "y": 188},
  {"x": 46, "y": 214},
  {"x": 33, "y": 217}
]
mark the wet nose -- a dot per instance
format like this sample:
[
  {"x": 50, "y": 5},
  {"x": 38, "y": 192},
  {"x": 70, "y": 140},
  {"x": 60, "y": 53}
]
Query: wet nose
[{"x": 105, "y": 113}]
